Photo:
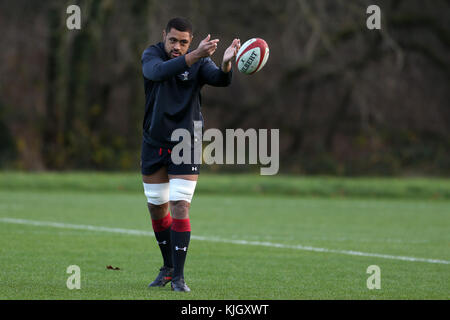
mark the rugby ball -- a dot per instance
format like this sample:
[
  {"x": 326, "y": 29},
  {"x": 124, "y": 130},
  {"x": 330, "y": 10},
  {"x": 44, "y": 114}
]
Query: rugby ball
[{"x": 252, "y": 56}]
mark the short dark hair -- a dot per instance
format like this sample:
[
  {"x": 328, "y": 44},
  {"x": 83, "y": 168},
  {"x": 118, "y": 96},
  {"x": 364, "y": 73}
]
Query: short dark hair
[{"x": 180, "y": 24}]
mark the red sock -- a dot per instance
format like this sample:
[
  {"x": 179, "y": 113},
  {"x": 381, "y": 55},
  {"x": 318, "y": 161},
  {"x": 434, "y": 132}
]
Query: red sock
[
  {"x": 181, "y": 225},
  {"x": 162, "y": 224}
]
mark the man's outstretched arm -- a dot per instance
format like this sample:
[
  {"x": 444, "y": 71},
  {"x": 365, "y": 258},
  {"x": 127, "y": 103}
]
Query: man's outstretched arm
[
  {"x": 220, "y": 77},
  {"x": 206, "y": 48}
]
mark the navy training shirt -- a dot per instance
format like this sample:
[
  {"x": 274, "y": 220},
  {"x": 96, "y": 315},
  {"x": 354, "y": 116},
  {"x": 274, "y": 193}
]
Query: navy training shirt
[{"x": 172, "y": 93}]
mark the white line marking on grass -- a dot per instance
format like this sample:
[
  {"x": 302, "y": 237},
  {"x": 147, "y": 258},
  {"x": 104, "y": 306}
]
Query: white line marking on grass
[{"x": 221, "y": 240}]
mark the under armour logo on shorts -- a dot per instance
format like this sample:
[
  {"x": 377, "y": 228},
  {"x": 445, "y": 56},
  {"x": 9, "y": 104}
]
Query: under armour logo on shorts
[
  {"x": 178, "y": 248},
  {"x": 162, "y": 242},
  {"x": 194, "y": 169}
]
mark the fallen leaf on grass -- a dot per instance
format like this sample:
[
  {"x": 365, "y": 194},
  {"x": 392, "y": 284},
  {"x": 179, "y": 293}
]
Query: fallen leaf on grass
[{"x": 112, "y": 268}]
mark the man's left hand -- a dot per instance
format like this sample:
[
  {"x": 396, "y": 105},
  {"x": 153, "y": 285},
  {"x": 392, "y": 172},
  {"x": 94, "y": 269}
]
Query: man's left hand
[{"x": 230, "y": 54}]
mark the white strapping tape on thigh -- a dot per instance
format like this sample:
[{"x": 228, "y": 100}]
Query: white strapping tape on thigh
[
  {"x": 181, "y": 189},
  {"x": 157, "y": 193}
]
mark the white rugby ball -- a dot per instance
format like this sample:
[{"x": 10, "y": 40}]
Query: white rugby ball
[{"x": 252, "y": 56}]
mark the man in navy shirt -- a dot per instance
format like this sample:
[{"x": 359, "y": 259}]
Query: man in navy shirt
[{"x": 173, "y": 78}]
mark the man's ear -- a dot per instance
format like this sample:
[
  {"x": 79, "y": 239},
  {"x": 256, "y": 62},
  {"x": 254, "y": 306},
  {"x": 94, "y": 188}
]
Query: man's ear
[{"x": 164, "y": 35}]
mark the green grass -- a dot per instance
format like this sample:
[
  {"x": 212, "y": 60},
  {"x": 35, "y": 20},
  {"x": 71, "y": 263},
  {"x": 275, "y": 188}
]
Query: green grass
[
  {"x": 412, "y": 188},
  {"x": 33, "y": 259}
]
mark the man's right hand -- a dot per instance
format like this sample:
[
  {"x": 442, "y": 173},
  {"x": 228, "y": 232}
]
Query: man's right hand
[{"x": 205, "y": 49}]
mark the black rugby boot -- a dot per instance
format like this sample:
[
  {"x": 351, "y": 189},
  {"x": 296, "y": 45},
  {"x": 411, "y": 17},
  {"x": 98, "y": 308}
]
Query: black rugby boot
[
  {"x": 178, "y": 284},
  {"x": 164, "y": 276}
]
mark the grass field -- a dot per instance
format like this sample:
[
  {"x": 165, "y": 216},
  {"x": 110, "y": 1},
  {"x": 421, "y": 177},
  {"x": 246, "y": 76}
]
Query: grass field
[{"x": 285, "y": 238}]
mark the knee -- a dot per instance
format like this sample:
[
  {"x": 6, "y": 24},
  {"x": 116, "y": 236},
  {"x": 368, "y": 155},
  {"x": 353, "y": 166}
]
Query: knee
[
  {"x": 180, "y": 197},
  {"x": 156, "y": 194},
  {"x": 157, "y": 207},
  {"x": 157, "y": 199},
  {"x": 180, "y": 209},
  {"x": 181, "y": 190}
]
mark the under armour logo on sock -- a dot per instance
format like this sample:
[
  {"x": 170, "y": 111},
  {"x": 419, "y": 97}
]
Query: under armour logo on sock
[
  {"x": 178, "y": 248},
  {"x": 162, "y": 242}
]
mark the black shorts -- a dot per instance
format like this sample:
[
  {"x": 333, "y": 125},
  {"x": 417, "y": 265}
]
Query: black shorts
[{"x": 154, "y": 158}]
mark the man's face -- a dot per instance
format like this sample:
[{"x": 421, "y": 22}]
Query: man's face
[{"x": 176, "y": 42}]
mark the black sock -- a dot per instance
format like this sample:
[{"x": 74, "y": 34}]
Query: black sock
[
  {"x": 161, "y": 228},
  {"x": 180, "y": 244},
  {"x": 164, "y": 242}
]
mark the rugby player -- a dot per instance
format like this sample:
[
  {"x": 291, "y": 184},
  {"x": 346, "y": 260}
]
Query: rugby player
[{"x": 173, "y": 78}]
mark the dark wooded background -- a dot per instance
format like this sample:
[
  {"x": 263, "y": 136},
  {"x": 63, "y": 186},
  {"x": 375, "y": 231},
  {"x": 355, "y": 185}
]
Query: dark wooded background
[{"x": 347, "y": 100}]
